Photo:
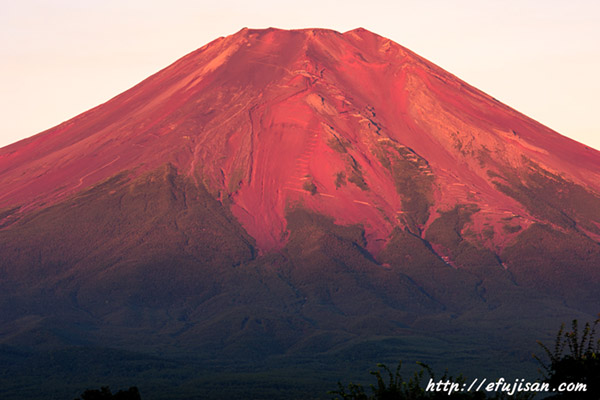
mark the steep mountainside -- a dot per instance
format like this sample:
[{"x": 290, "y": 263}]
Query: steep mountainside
[{"x": 283, "y": 193}]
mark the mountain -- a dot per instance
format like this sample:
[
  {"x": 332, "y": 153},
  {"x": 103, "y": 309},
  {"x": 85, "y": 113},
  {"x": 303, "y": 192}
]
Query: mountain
[{"x": 290, "y": 201}]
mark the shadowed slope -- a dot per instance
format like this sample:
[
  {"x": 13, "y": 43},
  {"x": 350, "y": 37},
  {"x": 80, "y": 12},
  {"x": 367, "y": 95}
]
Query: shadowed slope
[
  {"x": 372, "y": 130},
  {"x": 292, "y": 196}
]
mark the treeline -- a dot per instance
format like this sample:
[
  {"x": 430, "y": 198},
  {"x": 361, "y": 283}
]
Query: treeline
[
  {"x": 574, "y": 359},
  {"x": 104, "y": 393}
]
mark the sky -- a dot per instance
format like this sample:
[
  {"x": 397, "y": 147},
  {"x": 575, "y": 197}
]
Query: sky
[{"x": 59, "y": 58}]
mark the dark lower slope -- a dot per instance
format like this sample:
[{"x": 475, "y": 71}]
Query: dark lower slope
[
  {"x": 160, "y": 272},
  {"x": 559, "y": 251},
  {"x": 120, "y": 244}
]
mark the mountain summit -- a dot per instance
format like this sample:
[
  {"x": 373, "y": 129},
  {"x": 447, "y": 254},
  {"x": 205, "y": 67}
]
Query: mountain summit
[
  {"x": 314, "y": 181},
  {"x": 352, "y": 125}
]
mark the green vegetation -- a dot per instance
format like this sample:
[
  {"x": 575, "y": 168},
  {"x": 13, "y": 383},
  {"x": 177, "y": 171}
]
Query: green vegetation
[
  {"x": 158, "y": 225},
  {"x": 483, "y": 156},
  {"x": 340, "y": 179},
  {"x": 157, "y": 266},
  {"x": 309, "y": 186},
  {"x": 105, "y": 394},
  {"x": 339, "y": 144},
  {"x": 555, "y": 262},
  {"x": 302, "y": 378},
  {"x": 356, "y": 175},
  {"x": 64, "y": 374},
  {"x": 488, "y": 232},
  {"x": 312, "y": 233},
  {"x": 415, "y": 388},
  {"x": 512, "y": 228},
  {"x": 574, "y": 358},
  {"x": 550, "y": 197},
  {"x": 406, "y": 249},
  {"x": 447, "y": 229},
  {"x": 413, "y": 180},
  {"x": 447, "y": 232},
  {"x": 352, "y": 174},
  {"x": 396, "y": 388},
  {"x": 493, "y": 174}
]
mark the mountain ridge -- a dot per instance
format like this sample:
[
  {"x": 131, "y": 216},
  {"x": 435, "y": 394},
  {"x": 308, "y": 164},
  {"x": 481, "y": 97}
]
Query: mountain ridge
[
  {"x": 308, "y": 48},
  {"x": 293, "y": 198}
]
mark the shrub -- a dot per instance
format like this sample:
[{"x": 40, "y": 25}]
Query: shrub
[
  {"x": 575, "y": 358},
  {"x": 397, "y": 388},
  {"x": 309, "y": 186},
  {"x": 105, "y": 394}
]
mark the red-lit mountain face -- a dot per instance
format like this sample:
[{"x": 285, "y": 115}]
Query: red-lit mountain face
[
  {"x": 352, "y": 126},
  {"x": 330, "y": 176}
]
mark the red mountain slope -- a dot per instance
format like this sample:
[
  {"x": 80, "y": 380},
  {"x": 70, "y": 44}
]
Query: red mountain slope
[
  {"x": 352, "y": 125},
  {"x": 289, "y": 205}
]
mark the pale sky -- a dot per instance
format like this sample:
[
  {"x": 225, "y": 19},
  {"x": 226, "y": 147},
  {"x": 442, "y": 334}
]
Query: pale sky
[{"x": 59, "y": 58}]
